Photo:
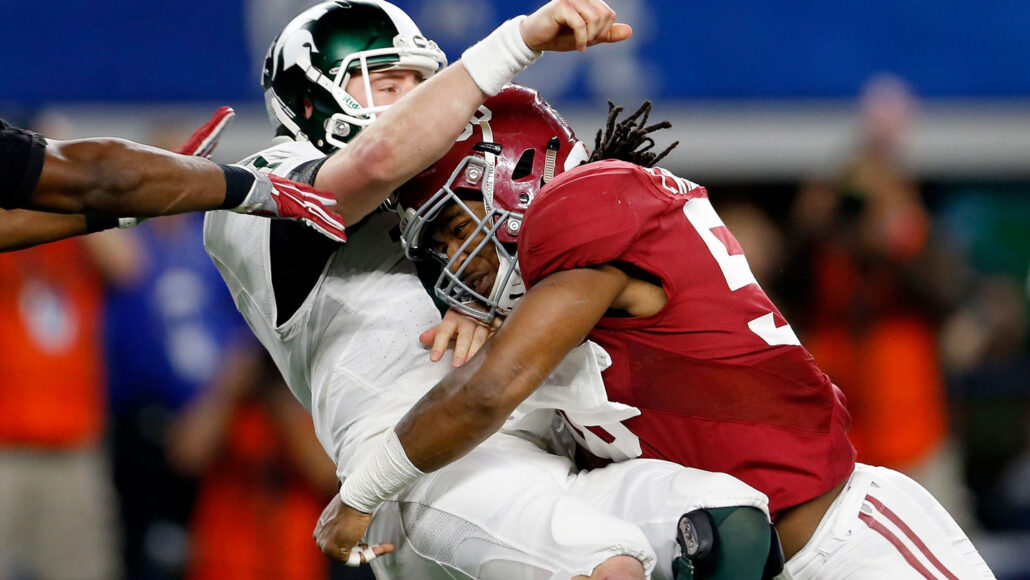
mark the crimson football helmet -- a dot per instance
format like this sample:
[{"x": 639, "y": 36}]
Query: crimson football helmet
[{"x": 513, "y": 145}]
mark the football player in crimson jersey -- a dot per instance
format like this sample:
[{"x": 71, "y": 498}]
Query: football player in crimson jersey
[
  {"x": 41, "y": 179},
  {"x": 338, "y": 318},
  {"x": 637, "y": 260}
]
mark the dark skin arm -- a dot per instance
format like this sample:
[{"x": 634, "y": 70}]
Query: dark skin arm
[
  {"x": 117, "y": 177},
  {"x": 123, "y": 178},
  {"x": 108, "y": 176},
  {"x": 473, "y": 402},
  {"x": 20, "y": 229}
]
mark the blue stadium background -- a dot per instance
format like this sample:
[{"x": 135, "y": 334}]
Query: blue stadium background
[{"x": 157, "y": 50}]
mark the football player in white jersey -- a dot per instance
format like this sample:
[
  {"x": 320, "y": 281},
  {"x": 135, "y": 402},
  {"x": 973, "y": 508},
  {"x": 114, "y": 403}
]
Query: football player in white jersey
[{"x": 341, "y": 320}]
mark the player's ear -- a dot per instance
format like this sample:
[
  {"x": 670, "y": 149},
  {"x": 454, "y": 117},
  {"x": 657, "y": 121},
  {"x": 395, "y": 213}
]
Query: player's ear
[{"x": 309, "y": 108}]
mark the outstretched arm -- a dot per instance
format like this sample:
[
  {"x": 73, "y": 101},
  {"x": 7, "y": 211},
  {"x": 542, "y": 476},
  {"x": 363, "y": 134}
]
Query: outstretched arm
[
  {"x": 473, "y": 401},
  {"x": 123, "y": 178},
  {"x": 421, "y": 127},
  {"x": 116, "y": 177},
  {"x": 20, "y": 229},
  {"x": 120, "y": 177}
]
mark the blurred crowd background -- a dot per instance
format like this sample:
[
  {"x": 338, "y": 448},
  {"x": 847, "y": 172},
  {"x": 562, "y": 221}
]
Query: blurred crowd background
[{"x": 873, "y": 159}]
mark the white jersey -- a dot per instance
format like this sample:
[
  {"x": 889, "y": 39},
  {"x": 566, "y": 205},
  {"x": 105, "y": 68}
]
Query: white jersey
[
  {"x": 350, "y": 353},
  {"x": 357, "y": 330}
]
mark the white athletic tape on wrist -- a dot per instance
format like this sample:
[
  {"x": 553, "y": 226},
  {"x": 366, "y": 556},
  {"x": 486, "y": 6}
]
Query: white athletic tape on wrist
[
  {"x": 495, "y": 60},
  {"x": 354, "y": 558},
  {"x": 383, "y": 474}
]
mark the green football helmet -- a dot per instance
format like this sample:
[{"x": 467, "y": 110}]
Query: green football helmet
[{"x": 318, "y": 52}]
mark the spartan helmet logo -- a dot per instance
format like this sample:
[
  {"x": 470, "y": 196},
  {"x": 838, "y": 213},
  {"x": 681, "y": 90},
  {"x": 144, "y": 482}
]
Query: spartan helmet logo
[
  {"x": 298, "y": 44},
  {"x": 298, "y": 48}
]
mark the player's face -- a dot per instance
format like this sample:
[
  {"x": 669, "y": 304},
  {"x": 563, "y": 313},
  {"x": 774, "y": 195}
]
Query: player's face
[
  {"x": 387, "y": 86},
  {"x": 450, "y": 230}
]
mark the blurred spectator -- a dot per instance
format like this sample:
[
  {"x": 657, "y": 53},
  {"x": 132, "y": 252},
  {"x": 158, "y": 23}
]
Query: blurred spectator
[
  {"x": 987, "y": 352},
  {"x": 264, "y": 477},
  {"x": 57, "y": 506},
  {"x": 171, "y": 325},
  {"x": 878, "y": 289}
]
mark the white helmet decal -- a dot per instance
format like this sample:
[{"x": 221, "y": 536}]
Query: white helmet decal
[
  {"x": 298, "y": 40},
  {"x": 298, "y": 48}
]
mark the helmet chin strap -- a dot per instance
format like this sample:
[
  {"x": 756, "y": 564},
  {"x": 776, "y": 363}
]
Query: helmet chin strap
[{"x": 508, "y": 289}]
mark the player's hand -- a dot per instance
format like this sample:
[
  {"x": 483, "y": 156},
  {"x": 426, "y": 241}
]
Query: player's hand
[
  {"x": 274, "y": 196},
  {"x": 467, "y": 333},
  {"x": 339, "y": 531},
  {"x": 203, "y": 141},
  {"x": 563, "y": 25}
]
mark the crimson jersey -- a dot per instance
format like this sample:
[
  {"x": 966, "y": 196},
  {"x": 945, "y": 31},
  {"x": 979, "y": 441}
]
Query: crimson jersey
[{"x": 721, "y": 380}]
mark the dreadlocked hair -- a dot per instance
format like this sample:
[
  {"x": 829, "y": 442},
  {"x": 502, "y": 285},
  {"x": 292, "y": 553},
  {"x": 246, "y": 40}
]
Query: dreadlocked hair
[{"x": 628, "y": 140}]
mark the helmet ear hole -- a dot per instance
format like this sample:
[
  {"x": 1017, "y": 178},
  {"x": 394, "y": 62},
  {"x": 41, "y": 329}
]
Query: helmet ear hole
[{"x": 524, "y": 166}]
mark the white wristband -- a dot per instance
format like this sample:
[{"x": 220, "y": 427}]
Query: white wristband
[
  {"x": 383, "y": 474},
  {"x": 495, "y": 60}
]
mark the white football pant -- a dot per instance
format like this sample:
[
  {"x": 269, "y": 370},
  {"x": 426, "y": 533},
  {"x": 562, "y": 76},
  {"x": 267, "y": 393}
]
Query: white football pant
[
  {"x": 884, "y": 526},
  {"x": 509, "y": 511}
]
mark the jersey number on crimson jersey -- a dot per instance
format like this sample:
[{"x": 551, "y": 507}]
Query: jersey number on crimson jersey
[
  {"x": 613, "y": 440},
  {"x": 735, "y": 269}
]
